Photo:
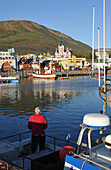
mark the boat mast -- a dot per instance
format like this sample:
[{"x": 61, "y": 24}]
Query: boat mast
[
  {"x": 93, "y": 39},
  {"x": 99, "y": 59},
  {"x": 104, "y": 105},
  {"x": 39, "y": 65}
]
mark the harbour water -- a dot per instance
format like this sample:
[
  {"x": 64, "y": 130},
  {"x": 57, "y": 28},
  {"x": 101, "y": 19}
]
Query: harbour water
[{"x": 63, "y": 102}]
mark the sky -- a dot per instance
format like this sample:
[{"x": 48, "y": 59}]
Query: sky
[{"x": 71, "y": 17}]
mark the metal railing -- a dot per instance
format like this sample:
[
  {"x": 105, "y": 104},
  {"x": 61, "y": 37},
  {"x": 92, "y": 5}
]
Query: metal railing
[
  {"x": 49, "y": 136},
  {"x": 54, "y": 144},
  {"x": 19, "y": 134}
]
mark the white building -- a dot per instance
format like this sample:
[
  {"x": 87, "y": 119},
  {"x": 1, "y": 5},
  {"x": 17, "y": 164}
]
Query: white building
[
  {"x": 6, "y": 57},
  {"x": 101, "y": 54},
  {"x": 61, "y": 52}
]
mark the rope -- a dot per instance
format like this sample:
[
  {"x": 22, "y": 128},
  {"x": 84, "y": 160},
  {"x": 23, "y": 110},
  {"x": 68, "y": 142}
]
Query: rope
[{"x": 83, "y": 165}]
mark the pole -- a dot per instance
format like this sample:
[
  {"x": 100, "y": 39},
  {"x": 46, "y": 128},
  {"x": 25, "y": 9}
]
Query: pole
[
  {"x": 93, "y": 39},
  {"x": 39, "y": 65},
  {"x": 104, "y": 105},
  {"x": 98, "y": 58}
]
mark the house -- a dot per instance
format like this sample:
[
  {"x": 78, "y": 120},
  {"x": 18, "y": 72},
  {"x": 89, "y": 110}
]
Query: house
[
  {"x": 6, "y": 66},
  {"x": 28, "y": 64},
  {"x": 72, "y": 63}
]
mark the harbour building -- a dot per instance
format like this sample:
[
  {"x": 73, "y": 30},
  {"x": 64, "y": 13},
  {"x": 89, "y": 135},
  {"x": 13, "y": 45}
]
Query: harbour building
[{"x": 6, "y": 57}]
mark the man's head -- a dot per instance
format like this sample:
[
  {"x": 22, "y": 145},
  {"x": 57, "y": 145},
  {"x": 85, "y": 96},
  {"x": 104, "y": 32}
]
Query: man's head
[{"x": 37, "y": 110}]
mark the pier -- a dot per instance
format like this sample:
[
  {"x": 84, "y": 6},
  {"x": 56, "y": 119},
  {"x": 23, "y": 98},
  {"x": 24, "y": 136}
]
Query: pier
[{"x": 64, "y": 73}]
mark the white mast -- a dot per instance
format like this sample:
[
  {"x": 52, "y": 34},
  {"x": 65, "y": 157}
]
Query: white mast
[
  {"x": 93, "y": 39},
  {"x": 104, "y": 105},
  {"x": 104, "y": 40},
  {"x": 99, "y": 58}
]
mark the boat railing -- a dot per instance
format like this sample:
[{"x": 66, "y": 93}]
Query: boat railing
[
  {"x": 67, "y": 142},
  {"x": 87, "y": 160},
  {"x": 54, "y": 145}
]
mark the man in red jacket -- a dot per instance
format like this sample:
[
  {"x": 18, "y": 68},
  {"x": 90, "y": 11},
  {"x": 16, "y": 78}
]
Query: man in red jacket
[{"x": 37, "y": 123}]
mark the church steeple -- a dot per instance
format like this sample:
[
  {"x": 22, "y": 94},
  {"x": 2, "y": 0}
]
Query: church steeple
[{"x": 61, "y": 43}]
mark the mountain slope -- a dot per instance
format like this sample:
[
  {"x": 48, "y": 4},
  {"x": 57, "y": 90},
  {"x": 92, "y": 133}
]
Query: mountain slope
[{"x": 30, "y": 37}]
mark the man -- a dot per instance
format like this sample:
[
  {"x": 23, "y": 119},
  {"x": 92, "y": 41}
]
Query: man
[{"x": 37, "y": 123}]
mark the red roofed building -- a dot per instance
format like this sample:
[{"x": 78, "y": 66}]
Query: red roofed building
[{"x": 6, "y": 66}]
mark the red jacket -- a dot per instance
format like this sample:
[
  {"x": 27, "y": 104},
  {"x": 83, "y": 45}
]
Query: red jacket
[{"x": 37, "y": 123}]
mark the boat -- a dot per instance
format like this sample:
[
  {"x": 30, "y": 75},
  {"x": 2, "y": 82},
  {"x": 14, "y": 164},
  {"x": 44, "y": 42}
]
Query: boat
[
  {"x": 45, "y": 71},
  {"x": 64, "y": 78},
  {"x": 94, "y": 155},
  {"x": 8, "y": 79},
  {"x": 44, "y": 75}
]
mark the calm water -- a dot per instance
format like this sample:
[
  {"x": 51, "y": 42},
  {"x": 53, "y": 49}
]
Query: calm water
[{"x": 63, "y": 102}]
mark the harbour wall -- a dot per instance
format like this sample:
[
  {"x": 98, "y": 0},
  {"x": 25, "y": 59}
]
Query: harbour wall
[{"x": 26, "y": 74}]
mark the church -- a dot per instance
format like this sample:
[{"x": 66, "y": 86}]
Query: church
[{"x": 61, "y": 52}]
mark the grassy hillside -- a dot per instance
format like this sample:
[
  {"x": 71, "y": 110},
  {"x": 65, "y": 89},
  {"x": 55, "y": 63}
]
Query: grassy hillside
[{"x": 29, "y": 37}]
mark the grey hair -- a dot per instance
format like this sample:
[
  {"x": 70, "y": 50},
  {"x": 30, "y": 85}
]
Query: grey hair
[{"x": 37, "y": 110}]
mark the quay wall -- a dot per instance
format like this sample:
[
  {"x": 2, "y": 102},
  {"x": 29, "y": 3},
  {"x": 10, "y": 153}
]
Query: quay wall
[
  {"x": 80, "y": 73},
  {"x": 25, "y": 74},
  {"x": 74, "y": 73}
]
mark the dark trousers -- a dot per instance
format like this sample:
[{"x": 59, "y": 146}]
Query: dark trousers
[{"x": 39, "y": 139}]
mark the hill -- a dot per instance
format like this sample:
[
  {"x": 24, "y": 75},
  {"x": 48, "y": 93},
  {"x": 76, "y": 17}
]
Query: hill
[{"x": 30, "y": 37}]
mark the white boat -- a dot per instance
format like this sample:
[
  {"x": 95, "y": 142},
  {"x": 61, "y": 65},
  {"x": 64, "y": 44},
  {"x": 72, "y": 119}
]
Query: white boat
[
  {"x": 44, "y": 76},
  {"x": 8, "y": 79},
  {"x": 94, "y": 156}
]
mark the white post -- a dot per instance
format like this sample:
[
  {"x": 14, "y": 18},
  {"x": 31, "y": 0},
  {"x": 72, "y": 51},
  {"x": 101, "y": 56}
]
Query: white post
[{"x": 93, "y": 38}]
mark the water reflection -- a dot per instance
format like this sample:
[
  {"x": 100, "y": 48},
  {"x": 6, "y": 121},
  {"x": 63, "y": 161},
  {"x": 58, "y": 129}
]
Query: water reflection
[
  {"x": 63, "y": 102},
  {"x": 22, "y": 98}
]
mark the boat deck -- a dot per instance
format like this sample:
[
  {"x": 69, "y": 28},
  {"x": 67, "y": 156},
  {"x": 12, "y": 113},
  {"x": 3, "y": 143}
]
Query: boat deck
[{"x": 102, "y": 155}]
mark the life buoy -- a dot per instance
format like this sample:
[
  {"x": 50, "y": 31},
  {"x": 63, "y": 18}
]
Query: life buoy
[{"x": 66, "y": 150}]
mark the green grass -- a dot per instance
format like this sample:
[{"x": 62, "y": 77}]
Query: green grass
[{"x": 37, "y": 38}]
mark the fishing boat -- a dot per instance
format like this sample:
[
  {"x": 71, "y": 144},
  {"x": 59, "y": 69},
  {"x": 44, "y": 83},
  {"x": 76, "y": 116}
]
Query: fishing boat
[
  {"x": 45, "y": 71},
  {"x": 44, "y": 75},
  {"x": 93, "y": 155},
  {"x": 8, "y": 79}
]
